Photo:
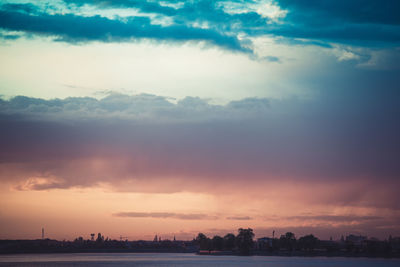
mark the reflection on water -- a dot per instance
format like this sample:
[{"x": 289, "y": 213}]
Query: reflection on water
[{"x": 171, "y": 259}]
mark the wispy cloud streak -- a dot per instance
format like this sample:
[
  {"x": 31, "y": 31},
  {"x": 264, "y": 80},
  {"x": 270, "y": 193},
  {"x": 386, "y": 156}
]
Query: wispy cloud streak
[{"x": 166, "y": 215}]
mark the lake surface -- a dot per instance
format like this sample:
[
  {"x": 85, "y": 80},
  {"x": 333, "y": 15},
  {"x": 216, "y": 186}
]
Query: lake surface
[{"x": 180, "y": 259}]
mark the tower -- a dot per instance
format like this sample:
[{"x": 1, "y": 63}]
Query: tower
[{"x": 42, "y": 232}]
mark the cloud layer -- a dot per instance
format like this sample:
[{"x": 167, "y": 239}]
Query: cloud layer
[
  {"x": 227, "y": 24},
  {"x": 146, "y": 143},
  {"x": 72, "y": 28}
]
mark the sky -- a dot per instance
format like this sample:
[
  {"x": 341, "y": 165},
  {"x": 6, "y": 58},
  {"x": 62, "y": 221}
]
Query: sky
[{"x": 136, "y": 118}]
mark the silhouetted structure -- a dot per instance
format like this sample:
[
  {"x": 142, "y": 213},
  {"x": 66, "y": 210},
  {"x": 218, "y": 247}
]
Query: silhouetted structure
[
  {"x": 241, "y": 244},
  {"x": 288, "y": 245}
]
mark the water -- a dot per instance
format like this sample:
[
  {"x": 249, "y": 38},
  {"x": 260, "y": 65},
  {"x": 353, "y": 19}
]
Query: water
[{"x": 175, "y": 259}]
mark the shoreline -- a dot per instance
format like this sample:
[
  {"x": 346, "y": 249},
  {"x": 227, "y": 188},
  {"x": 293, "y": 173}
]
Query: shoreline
[{"x": 213, "y": 253}]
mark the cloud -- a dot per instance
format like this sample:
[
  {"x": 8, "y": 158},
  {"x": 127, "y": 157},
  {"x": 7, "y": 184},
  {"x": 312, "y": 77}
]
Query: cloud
[
  {"x": 360, "y": 22},
  {"x": 137, "y": 107},
  {"x": 325, "y": 226},
  {"x": 352, "y": 34},
  {"x": 25, "y": 8},
  {"x": 211, "y": 13},
  {"x": 9, "y": 36},
  {"x": 225, "y": 24},
  {"x": 145, "y": 143},
  {"x": 239, "y": 218},
  {"x": 336, "y": 226},
  {"x": 165, "y": 215},
  {"x": 358, "y": 11},
  {"x": 271, "y": 58},
  {"x": 76, "y": 29},
  {"x": 41, "y": 183},
  {"x": 334, "y": 218},
  {"x": 146, "y": 6}
]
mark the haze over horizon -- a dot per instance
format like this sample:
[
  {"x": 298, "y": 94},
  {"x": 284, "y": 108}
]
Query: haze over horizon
[{"x": 138, "y": 118}]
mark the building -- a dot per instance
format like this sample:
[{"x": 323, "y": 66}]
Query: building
[{"x": 264, "y": 243}]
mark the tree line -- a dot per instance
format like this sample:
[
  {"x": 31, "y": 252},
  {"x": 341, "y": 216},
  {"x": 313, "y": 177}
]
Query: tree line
[
  {"x": 243, "y": 244},
  {"x": 243, "y": 241}
]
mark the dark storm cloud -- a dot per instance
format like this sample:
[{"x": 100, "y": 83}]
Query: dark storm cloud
[
  {"x": 358, "y": 11},
  {"x": 208, "y": 11},
  {"x": 352, "y": 34},
  {"x": 72, "y": 28},
  {"x": 361, "y": 22}
]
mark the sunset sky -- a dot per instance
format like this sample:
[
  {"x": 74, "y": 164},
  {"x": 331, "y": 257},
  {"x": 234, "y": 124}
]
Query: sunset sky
[{"x": 136, "y": 118}]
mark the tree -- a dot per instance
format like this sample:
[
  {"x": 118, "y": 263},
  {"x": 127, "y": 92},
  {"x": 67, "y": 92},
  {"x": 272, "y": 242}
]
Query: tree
[
  {"x": 229, "y": 241},
  {"x": 203, "y": 241},
  {"x": 290, "y": 236},
  {"x": 100, "y": 238},
  {"x": 244, "y": 240},
  {"x": 217, "y": 243},
  {"x": 287, "y": 241},
  {"x": 308, "y": 242}
]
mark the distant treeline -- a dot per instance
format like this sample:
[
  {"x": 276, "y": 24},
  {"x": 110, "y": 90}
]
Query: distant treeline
[
  {"x": 243, "y": 243},
  {"x": 287, "y": 244}
]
